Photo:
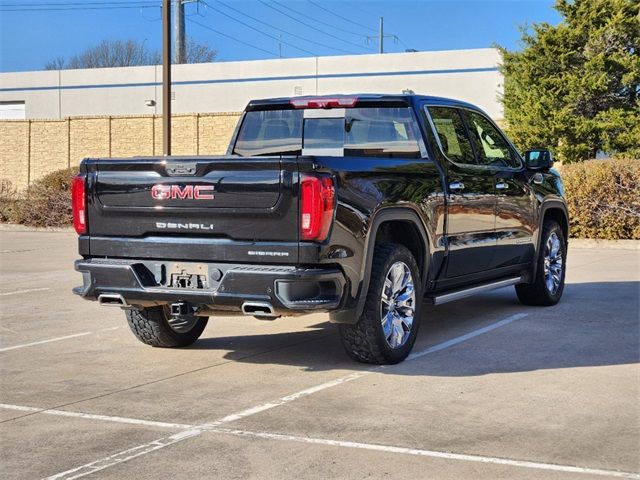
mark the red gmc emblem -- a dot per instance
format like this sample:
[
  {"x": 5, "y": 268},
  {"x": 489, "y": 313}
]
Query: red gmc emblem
[{"x": 197, "y": 192}]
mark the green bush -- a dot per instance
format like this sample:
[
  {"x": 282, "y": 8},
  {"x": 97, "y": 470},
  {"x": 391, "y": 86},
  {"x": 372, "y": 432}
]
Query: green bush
[
  {"x": 46, "y": 203},
  {"x": 603, "y": 197}
]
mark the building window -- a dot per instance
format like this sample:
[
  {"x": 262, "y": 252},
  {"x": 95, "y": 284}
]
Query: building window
[{"x": 12, "y": 110}]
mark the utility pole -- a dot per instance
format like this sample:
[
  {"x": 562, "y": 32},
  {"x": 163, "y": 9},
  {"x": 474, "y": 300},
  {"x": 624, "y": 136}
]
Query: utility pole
[
  {"x": 166, "y": 77},
  {"x": 179, "y": 33},
  {"x": 381, "y": 36}
]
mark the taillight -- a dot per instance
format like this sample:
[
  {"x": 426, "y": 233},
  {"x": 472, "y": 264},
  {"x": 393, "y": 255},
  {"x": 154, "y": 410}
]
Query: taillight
[
  {"x": 323, "y": 102},
  {"x": 317, "y": 199},
  {"x": 79, "y": 204}
]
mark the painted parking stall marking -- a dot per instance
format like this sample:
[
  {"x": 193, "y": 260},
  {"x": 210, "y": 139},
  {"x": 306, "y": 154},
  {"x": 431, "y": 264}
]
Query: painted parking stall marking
[
  {"x": 92, "y": 416},
  {"x": 28, "y": 290},
  {"x": 55, "y": 339},
  {"x": 431, "y": 453},
  {"x": 163, "y": 442}
]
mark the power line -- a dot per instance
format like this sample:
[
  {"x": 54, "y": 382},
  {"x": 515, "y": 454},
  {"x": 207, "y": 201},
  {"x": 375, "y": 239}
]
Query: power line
[
  {"x": 63, "y": 4},
  {"x": 310, "y": 26},
  {"x": 283, "y": 30},
  {"x": 340, "y": 16},
  {"x": 75, "y": 8},
  {"x": 330, "y": 25},
  {"x": 396, "y": 37},
  {"x": 230, "y": 37},
  {"x": 257, "y": 30}
]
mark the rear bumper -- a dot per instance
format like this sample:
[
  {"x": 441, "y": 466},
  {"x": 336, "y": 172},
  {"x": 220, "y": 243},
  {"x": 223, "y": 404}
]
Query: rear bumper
[{"x": 288, "y": 289}]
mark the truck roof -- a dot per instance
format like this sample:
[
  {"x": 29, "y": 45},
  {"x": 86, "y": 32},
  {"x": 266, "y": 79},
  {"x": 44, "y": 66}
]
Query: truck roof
[{"x": 407, "y": 98}]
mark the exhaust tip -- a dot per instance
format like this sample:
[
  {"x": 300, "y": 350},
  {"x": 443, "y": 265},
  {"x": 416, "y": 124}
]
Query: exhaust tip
[
  {"x": 258, "y": 309},
  {"x": 112, "y": 300}
]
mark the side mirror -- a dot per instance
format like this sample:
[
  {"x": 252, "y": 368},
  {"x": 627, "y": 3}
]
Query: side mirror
[{"x": 538, "y": 159}]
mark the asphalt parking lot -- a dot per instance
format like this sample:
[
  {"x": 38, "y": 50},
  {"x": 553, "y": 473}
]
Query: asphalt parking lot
[{"x": 493, "y": 389}]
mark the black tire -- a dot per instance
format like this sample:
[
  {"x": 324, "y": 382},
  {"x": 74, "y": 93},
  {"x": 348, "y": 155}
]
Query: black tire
[
  {"x": 151, "y": 326},
  {"x": 365, "y": 340},
  {"x": 538, "y": 293}
]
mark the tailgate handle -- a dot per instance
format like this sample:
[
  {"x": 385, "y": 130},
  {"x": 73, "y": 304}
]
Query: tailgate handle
[{"x": 181, "y": 168}]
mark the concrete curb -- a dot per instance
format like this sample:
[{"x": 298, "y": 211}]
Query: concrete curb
[
  {"x": 608, "y": 244},
  {"x": 13, "y": 227}
]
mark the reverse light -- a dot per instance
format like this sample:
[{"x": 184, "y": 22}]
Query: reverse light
[
  {"x": 324, "y": 102},
  {"x": 78, "y": 204},
  {"x": 317, "y": 200}
]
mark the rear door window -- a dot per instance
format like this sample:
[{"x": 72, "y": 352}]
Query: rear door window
[{"x": 452, "y": 135}]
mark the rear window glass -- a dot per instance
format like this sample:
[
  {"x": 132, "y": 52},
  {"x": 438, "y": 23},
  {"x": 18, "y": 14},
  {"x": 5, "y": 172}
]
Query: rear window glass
[
  {"x": 270, "y": 132},
  {"x": 375, "y": 132},
  {"x": 381, "y": 132}
]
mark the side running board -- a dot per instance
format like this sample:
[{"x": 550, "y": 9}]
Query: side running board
[{"x": 452, "y": 295}]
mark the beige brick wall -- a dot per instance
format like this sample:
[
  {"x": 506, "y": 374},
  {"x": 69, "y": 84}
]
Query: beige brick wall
[
  {"x": 89, "y": 138},
  {"x": 212, "y": 132},
  {"x": 14, "y": 148},
  {"x": 49, "y": 147},
  {"x": 30, "y": 149},
  {"x": 131, "y": 136}
]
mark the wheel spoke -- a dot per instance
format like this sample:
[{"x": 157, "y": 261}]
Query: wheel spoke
[
  {"x": 398, "y": 274},
  {"x": 397, "y": 305},
  {"x": 387, "y": 324},
  {"x": 553, "y": 263}
]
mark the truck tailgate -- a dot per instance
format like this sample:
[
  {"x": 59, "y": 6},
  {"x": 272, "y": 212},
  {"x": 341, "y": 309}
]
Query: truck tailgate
[{"x": 224, "y": 198}]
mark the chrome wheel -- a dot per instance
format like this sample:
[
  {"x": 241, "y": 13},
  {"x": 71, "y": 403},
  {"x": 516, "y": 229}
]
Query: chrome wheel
[
  {"x": 397, "y": 305},
  {"x": 181, "y": 323},
  {"x": 553, "y": 263}
]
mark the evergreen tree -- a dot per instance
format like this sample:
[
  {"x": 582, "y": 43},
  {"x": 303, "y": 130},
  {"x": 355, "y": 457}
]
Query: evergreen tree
[{"x": 575, "y": 87}]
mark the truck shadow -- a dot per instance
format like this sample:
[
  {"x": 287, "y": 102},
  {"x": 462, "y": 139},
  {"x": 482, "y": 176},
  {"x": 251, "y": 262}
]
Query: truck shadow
[{"x": 595, "y": 324}]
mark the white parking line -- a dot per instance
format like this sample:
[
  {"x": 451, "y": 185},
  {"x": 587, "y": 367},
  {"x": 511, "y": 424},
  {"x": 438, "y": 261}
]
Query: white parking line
[
  {"x": 143, "y": 449},
  {"x": 191, "y": 431},
  {"x": 125, "y": 455},
  {"x": 28, "y": 290},
  {"x": 92, "y": 416},
  {"x": 432, "y": 453},
  {"x": 55, "y": 339}
]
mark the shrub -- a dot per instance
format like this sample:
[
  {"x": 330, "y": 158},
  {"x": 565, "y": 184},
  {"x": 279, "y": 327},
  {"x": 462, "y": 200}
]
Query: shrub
[
  {"x": 603, "y": 197},
  {"x": 47, "y": 202},
  {"x": 8, "y": 200}
]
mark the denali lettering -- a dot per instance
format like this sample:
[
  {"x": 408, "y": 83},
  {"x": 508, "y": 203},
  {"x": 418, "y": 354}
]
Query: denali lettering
[
  {"x": 184, "y": 226},
  {"x": 197, "y": 192}
]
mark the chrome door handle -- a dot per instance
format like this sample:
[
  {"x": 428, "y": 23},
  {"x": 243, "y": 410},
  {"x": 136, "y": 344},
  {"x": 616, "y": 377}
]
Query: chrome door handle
[
  {"x": 456, "y": 186},
  {"x": 502, "y": 186}
]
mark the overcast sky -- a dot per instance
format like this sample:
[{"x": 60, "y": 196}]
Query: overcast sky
[{"x": 292, "y": 28}]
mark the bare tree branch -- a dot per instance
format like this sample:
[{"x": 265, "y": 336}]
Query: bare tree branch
[{"x": 128, "y": 53}]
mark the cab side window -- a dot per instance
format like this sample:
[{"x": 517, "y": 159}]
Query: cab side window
[
  {"x": 452, "y": 135},
  {"x": 492, "y": 148}
]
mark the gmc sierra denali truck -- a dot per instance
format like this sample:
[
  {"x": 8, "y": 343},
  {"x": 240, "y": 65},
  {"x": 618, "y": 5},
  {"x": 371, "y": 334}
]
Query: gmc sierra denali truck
[{"x": 360, "y": 206}]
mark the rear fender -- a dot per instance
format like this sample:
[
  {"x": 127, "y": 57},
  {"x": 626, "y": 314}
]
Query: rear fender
[{"x": 386, "y": 214}]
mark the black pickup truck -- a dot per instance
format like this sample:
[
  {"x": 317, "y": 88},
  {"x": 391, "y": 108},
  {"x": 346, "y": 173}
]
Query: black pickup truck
[{"x": 360, "y": 206}]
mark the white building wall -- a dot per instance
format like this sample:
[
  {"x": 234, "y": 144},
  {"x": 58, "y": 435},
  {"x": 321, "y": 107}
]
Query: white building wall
[{"x": 469, "y": 75}]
